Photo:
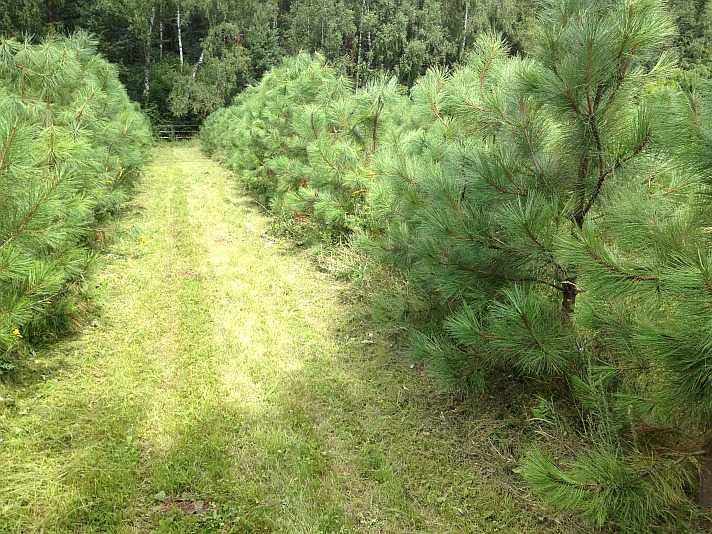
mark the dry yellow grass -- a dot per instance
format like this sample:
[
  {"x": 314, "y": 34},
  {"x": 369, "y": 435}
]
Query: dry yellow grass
[{"x": 226, "y": 387}]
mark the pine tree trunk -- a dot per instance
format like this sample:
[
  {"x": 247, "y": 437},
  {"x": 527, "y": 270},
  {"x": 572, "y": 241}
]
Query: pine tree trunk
[
  {"x": 180, "y": 36},
  {"x": 568, "y": 302},
  {"x": 375, "y": 124},
  {"x": 704, "y": 498}
]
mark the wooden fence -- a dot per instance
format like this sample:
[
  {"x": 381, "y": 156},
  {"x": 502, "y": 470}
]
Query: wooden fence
[{"x": 177, "y": 132}]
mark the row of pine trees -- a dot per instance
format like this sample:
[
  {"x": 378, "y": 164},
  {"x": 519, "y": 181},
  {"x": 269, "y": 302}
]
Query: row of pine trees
[
  {"x": 553, "y": 211},
  {"x": 71, "y": 142}
]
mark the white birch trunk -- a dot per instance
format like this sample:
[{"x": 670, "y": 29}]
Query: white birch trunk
[
  {"x": 198, "y": 64},
  {"x": 464, "y": 29},
  {"x": 370, "y": 44},
  {"x": 160, "y": 44},
  {"x": 147, "y": 64},
  {"x": 180, "y": 37},
  {"x": 360, "y": 37},
  {"x": 309, "y": 28}
]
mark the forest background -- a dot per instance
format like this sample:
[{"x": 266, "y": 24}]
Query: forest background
[{"x": 184, "y": 59}]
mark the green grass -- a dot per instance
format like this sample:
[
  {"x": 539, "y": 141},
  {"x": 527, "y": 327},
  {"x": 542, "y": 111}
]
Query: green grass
[{"x": 226, "y": 385}]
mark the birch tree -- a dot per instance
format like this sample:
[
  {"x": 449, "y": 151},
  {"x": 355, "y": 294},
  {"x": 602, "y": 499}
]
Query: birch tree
[
  {"x": 147, "y": 68},
  {"x": 179, "y": 27}
]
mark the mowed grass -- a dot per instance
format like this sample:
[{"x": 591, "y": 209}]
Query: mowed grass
[{"x": 226, "y": 385}]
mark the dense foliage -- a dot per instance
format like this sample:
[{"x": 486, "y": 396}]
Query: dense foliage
[
  {"x": 542, "y": 185},
  {"x": 186, "y": 58},
  {"x": 70, "y": 144},
  {"x": 694, "y": 21},
  {"x": 553, "y": 211}
]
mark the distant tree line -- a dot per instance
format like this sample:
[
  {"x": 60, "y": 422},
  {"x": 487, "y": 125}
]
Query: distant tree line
[{"x": 186, "y": 58}]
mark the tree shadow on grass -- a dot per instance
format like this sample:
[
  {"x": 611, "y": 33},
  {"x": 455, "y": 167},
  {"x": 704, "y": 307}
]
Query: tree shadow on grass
[
  {"x": 74, "y": 460},
  {"x": 405, "y": 457}
]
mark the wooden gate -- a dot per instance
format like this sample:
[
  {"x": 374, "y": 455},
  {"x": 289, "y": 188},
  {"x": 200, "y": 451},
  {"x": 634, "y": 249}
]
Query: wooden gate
[{"x": 177, "y": 132}]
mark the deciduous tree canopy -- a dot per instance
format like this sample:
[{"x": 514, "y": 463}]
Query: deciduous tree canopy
[{"x": 162, "y": 45}]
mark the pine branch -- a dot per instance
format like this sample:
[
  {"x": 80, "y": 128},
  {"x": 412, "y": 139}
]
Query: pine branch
[
  {"x": 4, "y": 161},
  {"x": 501, "y": 189},
  {"x": 611, "y": 170},
  {"x": 530, "y": 145},
  {"x": 656, "y": 468},
  {"x": 83, "y": 107},
  {"x": 547, "y": 252},
  {"x": 532, "y": 334},
  {"x": 614, "y": 269},
  {"x": 20, "y": 228},
  {"x": 499, "y": 276}
]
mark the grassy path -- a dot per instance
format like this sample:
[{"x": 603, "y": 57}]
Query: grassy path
[{"x": 225, "y": 387}]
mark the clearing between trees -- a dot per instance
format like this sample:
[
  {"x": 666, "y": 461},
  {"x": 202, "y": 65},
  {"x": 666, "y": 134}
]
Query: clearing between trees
[{"x": 226, "y": 384}]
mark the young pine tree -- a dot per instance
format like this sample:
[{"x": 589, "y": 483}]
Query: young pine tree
[
  {"x": 539, "y": 205},
  {"x": 70, "y": 140},
  {"x": 645, "y": 268},
  {"x": 521, "y": 152},
  {"x": 260, "y": 125}
]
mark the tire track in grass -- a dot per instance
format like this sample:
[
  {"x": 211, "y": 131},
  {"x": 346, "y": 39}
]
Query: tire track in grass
[
  {"x": 216, "y": 441},
  {"x": 76, "y": 447},
  {"x": 266, "y": 324},
  {"x": 187, "y": 438}
]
